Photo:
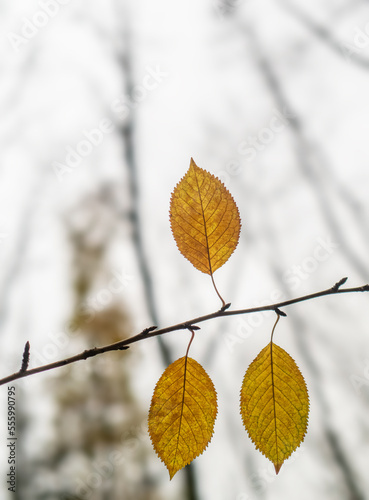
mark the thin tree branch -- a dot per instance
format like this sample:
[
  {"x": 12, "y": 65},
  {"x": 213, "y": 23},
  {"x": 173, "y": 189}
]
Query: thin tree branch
[
  {"x": 187, "y": 325},
  {"x": 310, "y": 161},
  {"x": 342, "y": 48},
  {"x": 127, "y": 131}
]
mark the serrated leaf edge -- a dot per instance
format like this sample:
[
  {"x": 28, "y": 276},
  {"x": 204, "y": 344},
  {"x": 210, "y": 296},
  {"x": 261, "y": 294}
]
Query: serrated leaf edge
[
  {"x": 277, "y": 468},
  {"x": 212, "y": 433},
  {"x": 235, "y": 204}
]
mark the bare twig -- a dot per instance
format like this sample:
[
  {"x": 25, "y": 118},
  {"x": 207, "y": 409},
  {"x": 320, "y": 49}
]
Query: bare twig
[
  {"x": 25, "y": 359},
  {"x": 190, "y": 324}
]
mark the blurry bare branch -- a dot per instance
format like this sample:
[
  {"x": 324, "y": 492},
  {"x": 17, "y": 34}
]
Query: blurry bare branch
[
  {"x": 298, "y": 324},
  {"x": 307, "y": 160},
  {"x": 127, "y": 131},
  {"x": 323, "y": 34},
  {"x": 124, "y": 55}
]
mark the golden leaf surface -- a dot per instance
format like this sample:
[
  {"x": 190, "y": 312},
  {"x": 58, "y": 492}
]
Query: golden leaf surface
[
  {"x": 205, "y": 220},
  {"x": 182, "y": 413},
  {"x": 275, "y": 404}
]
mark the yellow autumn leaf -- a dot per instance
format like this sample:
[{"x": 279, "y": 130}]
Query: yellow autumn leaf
[
  {"x": 205, "y": 220},
  {"x": 275, "y": 404},
  {"x": 182, "y": 413}
]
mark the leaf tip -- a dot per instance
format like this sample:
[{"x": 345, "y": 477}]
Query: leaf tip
[
  {"x": 172, "y": 473},
  {"x": 183, "y": 387},
  {"x": 278, "y": 467},
  {"x": 296, "y": 407},
  {"x": 204, "y": 219}
]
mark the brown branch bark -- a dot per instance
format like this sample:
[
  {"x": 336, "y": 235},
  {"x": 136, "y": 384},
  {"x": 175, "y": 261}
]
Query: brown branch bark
[{"x": 186, "y": 325}]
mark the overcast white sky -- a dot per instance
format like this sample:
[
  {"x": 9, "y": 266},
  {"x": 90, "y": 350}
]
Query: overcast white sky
[{"x": 271, "y": 96}]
